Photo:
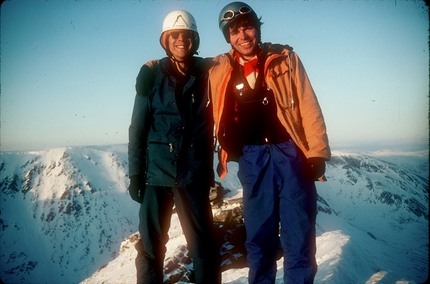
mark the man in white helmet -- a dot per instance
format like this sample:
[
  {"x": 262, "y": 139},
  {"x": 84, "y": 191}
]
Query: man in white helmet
[{"x": 170, "y": 153}]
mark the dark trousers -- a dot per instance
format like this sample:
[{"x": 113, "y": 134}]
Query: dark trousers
[
  {"x": 279, "y": 207},
  {"x": 195, "y": 215}
]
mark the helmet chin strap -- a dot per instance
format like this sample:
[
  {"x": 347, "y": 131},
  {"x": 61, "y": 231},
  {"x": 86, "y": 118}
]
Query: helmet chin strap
[{"x": 178, "y": 64}]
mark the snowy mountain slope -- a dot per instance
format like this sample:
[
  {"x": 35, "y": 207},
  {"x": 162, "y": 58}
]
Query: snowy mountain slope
[
  {"x": 386, "y": 202},
  {"x": 64, "y": 213},
  {"x": 383, "y": 207}
]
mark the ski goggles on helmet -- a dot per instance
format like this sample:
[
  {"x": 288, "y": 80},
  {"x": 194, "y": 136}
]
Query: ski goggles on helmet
[
  {"x": 230, "y": 14},
  {"x": 185, "y": 34}
]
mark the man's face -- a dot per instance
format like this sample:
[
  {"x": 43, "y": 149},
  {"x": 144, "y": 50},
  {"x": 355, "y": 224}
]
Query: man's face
[
  {"x": 244, "y": 40},
  {"x": 180, "y": 44}
]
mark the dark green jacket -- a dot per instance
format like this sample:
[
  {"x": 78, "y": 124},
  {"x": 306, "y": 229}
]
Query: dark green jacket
[{"x": 171, "y": 131}]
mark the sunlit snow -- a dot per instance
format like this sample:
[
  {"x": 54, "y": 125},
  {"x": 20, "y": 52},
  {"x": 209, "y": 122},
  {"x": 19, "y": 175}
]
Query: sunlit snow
[{"x": 66, "y": 217}]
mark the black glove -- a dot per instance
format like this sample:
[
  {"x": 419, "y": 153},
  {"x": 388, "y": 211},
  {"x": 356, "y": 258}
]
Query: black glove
[
  {"x": 316, "y": 169},
  {"x": 136, "y": 188}
]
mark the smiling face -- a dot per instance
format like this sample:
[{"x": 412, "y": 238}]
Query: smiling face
[
  {"x": 244, "y": 40},
  {"x": 180, "y": 44}
]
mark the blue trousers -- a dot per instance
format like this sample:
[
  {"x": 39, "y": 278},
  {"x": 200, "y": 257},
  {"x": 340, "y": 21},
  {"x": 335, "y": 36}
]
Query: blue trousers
[{"x": 279, "y": 207}]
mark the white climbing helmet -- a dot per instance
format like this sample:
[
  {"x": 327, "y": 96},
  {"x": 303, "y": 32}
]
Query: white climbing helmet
[{"x": 179, "y": 20}]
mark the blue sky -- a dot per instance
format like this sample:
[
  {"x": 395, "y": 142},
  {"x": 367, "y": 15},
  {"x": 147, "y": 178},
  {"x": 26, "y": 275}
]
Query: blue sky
[{"x": 68, "y": 68}]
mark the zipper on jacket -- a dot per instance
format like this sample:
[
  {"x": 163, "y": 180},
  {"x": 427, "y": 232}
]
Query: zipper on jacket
[
  {"x": 291, "y": 85},
  {"x": 171, "y": 147}
]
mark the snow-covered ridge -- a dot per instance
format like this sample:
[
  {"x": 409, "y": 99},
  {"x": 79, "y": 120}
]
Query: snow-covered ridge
[
  {"x": 66, "y": 216},
  {"x": 64, "y": 212}
]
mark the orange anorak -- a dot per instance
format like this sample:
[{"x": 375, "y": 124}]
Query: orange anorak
[{"x": 297, "y": 105}]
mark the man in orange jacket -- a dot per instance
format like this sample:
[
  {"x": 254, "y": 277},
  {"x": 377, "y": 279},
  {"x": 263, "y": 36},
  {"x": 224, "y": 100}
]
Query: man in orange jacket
[{"x": 267, "y": 118}]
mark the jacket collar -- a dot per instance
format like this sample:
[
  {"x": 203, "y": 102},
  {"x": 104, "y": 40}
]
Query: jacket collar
[{"x": 167, "y": 66}]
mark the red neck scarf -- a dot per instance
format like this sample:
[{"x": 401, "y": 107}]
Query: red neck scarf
[{"x": 250, "y": 69}]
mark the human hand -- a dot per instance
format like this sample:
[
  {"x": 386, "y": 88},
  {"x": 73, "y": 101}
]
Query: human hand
[
  {"x": 136, "y": 188},
  {"x": 316, "y": 169},
  {"x": 275, "y": 47}
]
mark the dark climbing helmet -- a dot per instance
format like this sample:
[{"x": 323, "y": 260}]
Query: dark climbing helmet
[{"x": 231, "y": 13}]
